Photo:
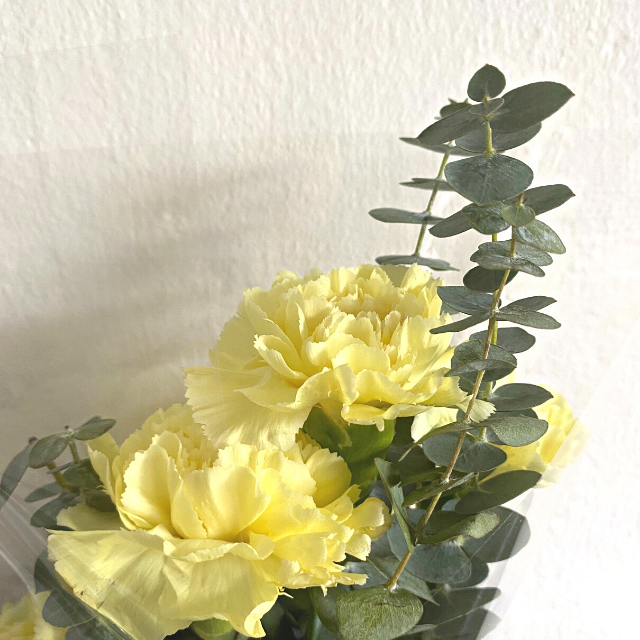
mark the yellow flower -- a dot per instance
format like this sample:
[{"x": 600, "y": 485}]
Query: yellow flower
[
  {"x": 563, "y": 442},
  {"x": 354, "y": 341},
  {"x": 203, "y": 533},
  {"x": 23, "y": 620}
]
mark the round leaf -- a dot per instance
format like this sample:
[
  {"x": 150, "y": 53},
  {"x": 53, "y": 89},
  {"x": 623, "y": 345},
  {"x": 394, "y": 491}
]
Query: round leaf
[
  {"x": 445, "y": 525},
  {"x": 13, "y": 474},
  {"x": 504, "y": 542},
  {"x": 47, "y": 491},
  {"x": 444, "y": 562},
  {"x": 483, "y": 180},
  {"x": 428, "y": 184},
  {"x": 451, "y": 226},
  {"x": 513, "y": 339},
  {"x": 479, "y": 279},
  {"x": 438, "y": 148},
  {"x": 488, "y": 81},
  {"x": 431, "y": 263},
  {"x": 452, "y": 107},
  {"x": 453, "y": 126},
  {"x": 497, "y": 490},
  {"x": 494, "y": 262},
  {"x": 475, "y": 142},
  {"x": 48, "y": 449},
  {"x": 395, "y": 216},
  {"x": 93, "y": 429},
  {"x": 518, "y": 215},
  {"x": 503, "y": 247},
  {"x": 475, "y": 456},
  {"x": 542, "y": 199},
  {"x": 461, "y": 325},
  {"x": 464, "y": 300},
  {"x": 62, "y": 609},
  {"x": 517, "y": 431},
  {"x": 520, "y": 315},
  {"x": 376, "y": 613},
  {"x": 450, "y": 605},
  {"x": 486, "y": 220},
  {"x": 486, "y": 108},
  {"x": 519, "y": 395},
  {"x": 540, "y": 235},
  {"x": 534, "y": 303}
]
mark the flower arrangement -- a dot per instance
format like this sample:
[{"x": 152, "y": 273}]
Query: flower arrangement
[{"x": 341, "y": 469}]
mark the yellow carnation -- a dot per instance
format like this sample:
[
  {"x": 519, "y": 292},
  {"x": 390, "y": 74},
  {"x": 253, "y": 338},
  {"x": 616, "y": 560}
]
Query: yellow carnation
[
  {"x": 203, "y": 533},
  {"x": 354, "y": 341},
  {"x": 23, "y": 620},
  {"x": 563, "y": 442}
]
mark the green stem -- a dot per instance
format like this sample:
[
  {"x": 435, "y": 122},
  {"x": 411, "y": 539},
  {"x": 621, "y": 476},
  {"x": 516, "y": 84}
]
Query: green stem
[
  {"x": 393, "y": 582},
  {"x": 58, "y": 477},
  {"x": 427, "y": 211},
  {"x": 73, "y": 447}
]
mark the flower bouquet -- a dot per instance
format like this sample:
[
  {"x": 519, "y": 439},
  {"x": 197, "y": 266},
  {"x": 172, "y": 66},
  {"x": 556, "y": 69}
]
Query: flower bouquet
[{"x": 340, "y": 470}]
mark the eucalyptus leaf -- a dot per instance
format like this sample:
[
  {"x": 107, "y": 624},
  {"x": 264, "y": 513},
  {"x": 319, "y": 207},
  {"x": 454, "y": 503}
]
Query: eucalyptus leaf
[
  {"x": 99, "y": 500},
  {"x": 517, "y": 431},
  {"x": 498, "y": 490},
  {"x": 46, "y": 516},
  {"x": 391, "y": 479},
  {"x": 395, "y": 216},
  {"x": 486, "y": 220},
  {"x": 13, "y": 474},
  {"x": 376, "y": 613},
  {"x": 479, "y": 279},
  {"x": 461, "y": 325},
  {"x": 95, "y": 428},
  {"x": 431, "y": 263},
  {"x": 62, "y": 609},
  {"x": 475, "y": 142},
  {"x": 428, "y": 184},
  {"x": 386, "y": 567},
  {"x": 452, "y": 107},
  {"x": 44, "y": 575},
  {"x": 542, "y": 236},
  {"x": 452, "y": 604},
  {"x": 445, "y": 525},
  {"x": 483, "y": 180},
  {"x": 444, "y": 562},
  {"x": 503, "y": 247},
  {"x": 468, "y": 359},
  {"x": 452, "y": 226},
  {"x": 473, "y": 350},
  {"x": 475, "y": 456},
  {"x": 519, "y": 395},
  {"x": 505, "y": 541},
  {"x": 494, "y": 262},
  {"x": 498, "y": 367},
  {"x": 479, "y": 570},
  {"x": 435, "y": 488},
  {"x": 518, "y": 215},
  {"x": 465, "y": 300},
  {"x": 212, "y": 628},
  {"x": 82, "y": 475},
  {"x": 521, "y": 315},
  {"x": 476, "y": 624},
  {"x": 47, "y": 449},
  {"x": 438, "y": 148},
  {"x": 46, "y": 491},
  {"x": 487, "y": 81},
  {"x": 424, "y": 476},
  {"x": 546, "y": 198},
  {"x": 486, "y": 108},
  {"x": 325, "y": 606},
  {"x": 530, "y": 104},
  {"x": 533, "y": 303},
  {"x": 452, "y": 126},
  {"x": 513, "y": 339}
]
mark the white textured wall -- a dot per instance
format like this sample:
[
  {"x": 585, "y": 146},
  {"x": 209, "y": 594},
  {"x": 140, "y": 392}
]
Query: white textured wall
[{"x": 159, "y": 156}]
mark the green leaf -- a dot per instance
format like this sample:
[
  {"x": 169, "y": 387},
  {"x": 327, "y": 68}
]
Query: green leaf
[
  {"x": 13, "y": 474},
  {"x": 487, "y": 81},
  {"x": 44, "y": 575},
  {"x": 94, "y": 428},
  {"x": 532, "y": 103},
  {"x": 376, "y": 613},
  {"x": 475, "y": 142},
  {"x": 546, "y": 198},
  {"x": 517, "y": 431},
  {"x": 486, "y": 108},
  {"x": 503, "y": 247},
  {"x": 542, "y": 236},
  {"x": 46, "y": 515},
  {"x": 438, "y": 148},
  {"x": 325, "y": 606},
  {"x": 464, "y": 300},
  {"x": 62, "y": 609},
  {"x": 82, "y": 475},
  {"x": 99, "y": 500},
  {"x": 461, "y": 325},
  {"x": 434, "y": 488},
  {"x": 520, "y": 315},
  {"x": 453, "y": 126},
  {"x": 424, "y": 476},
  {"x": 477, "y": 623},
  {"x": 533, "y": 303},
  {"x": 428, "y": 184},
  {"x": 394, "y": 216},
  {"x": 479, "y": 279},
  {"x": 497, "y": 490},
  {"x": 451, "y": 226},
  {"x": 519, "y": 395},
  {"x": 46, "y": 491},
  {"x": 48, "y": 449},
  {"x": 494, "y": 262},
  {"x": 518, "y": 215},
  {"x": 431, "y": 263},
  {"x": 453, "y": 604},
  {"x": 212, "y": 628},
  {"x": 486, "y": 220},
  {"x": 444, "y": 562},
  {"x": 511, "y": 535},
  {"x": 468, "y": 359},
  {"x": 475, "y": 456},
  {"x": 452, "y": 107},
  {"x": 479, "y": 571},
  {"x": 483, "y": 180},
  {"x": 386, "y": 567},
  {"x": 513, "y": 339},
  {"x": 392, "y": 480},
  {"x": 446, "y": 525}
]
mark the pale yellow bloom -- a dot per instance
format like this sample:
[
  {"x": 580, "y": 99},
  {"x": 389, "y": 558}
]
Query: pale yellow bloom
[
  {"x": 23, "y": 620},
  {"x": 563, "y": 442},
  {"x": 354, "y": 341},
  {"x": 203, "y": 533}
]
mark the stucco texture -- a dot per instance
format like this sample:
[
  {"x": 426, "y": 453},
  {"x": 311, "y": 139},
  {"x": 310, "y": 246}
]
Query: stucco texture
[{"x": 157, "y": 157}]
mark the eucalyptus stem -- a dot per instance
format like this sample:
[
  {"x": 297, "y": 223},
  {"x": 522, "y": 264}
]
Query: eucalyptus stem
[
  {"x": 58, "y": 477},
  {"x": 73, "y": 447},
  {"x": 427, "y": 211}
]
